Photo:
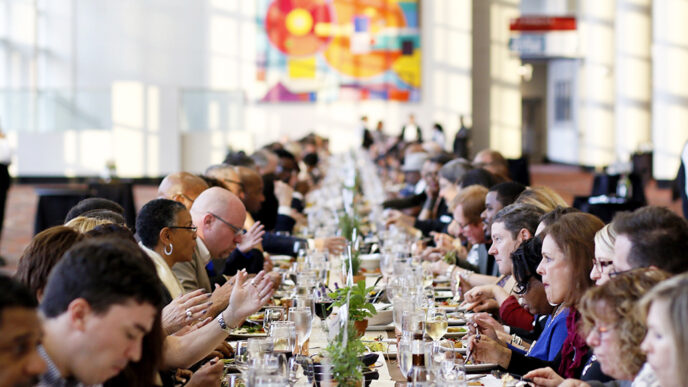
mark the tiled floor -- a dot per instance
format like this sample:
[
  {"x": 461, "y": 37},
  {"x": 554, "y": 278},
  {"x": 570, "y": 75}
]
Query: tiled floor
[{"x": 21, "y": 205}]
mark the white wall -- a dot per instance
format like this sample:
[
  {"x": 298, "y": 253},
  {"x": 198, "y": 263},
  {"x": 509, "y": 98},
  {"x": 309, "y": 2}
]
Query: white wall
[{"x": 147, "y": 51}]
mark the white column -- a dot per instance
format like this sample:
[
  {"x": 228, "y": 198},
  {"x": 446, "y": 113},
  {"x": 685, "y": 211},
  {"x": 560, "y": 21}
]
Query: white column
[
  {"x": 669, "y": 85},
  {"x": 596, "y": 83},
  {"x": 633, "y": 72},
  {"x": 497, "y": 82}
]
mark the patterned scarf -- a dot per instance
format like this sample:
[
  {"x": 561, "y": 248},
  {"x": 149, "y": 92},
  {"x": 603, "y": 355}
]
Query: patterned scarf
[{"x": 574, "y": 349}]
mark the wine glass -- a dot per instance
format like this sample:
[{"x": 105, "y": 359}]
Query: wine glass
[
  {"x": 283, "y": 334},
  {"x": 303, "y": 320},
  {"x": 323, "y": 307},
  {"x": 436, "y": 324}
]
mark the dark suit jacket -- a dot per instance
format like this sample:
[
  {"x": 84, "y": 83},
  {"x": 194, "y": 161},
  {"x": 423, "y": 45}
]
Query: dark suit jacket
[
  {"x": 280, "y": 244},
  {"x": 267, "y": 215},
  {"x": 252, "y": 261}
]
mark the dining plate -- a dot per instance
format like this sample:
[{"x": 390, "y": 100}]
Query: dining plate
[
  {"x": 454, "y": 332},
  {"x": 443, "y": 294},
  {"x": 386, "y": 327}
]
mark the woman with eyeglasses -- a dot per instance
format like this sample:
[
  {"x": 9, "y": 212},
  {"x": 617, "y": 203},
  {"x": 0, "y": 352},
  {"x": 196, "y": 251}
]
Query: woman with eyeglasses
[
  {"x": 567, "y": 254},
  {"x": 168, "y": 236},
  {"x": 549, "y": 330},
  {"x": 614, "y": 331},
  {"x": 604, "y": 254}
]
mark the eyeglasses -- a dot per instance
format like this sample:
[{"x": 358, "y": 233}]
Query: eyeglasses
[
  {"x": 237, "y": 230},
  {"x": 602, "y": 265},
  {"x": 601, "y": 330},
  {"x": 191, "y": 228}
]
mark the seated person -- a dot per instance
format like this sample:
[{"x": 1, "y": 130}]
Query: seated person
[
  {"x": 20, "y": 335},
  {"x": 567, "y": 254},
  {"x": 84, "y": 207},
  {"x": 42, "y": 254},
  {"x": 529, "y": 286},
  {"x": 512, "y": 225},
  {"x": 498, "y": 197},
  {"x": 434, "y": 215},
  {"x": 615, "y": 329},
  {"x": 665, "y": 309},
  {"x": 650, "y": 237},
  {"x": 604, "y": 254}
]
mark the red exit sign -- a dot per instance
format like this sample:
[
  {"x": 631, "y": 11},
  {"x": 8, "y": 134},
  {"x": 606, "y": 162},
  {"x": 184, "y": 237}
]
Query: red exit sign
[{"x": 543, "y": 23}]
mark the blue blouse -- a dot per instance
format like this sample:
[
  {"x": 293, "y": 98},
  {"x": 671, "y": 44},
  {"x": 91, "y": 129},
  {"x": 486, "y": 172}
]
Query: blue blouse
[{"x": 551, "y": 339}]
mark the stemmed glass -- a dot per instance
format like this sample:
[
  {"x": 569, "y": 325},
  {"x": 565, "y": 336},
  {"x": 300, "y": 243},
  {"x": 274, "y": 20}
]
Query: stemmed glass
[
  {"x": 323, "y": 307},
  {"x": 303, "y": 322},
  {"x": 283, "y": 334},
  {"x": 436, "y": 325}
]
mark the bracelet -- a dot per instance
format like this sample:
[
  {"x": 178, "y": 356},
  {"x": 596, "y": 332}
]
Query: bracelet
[
  {"x": 515, "y": 340},
  {"x": 222, "y": 323}
]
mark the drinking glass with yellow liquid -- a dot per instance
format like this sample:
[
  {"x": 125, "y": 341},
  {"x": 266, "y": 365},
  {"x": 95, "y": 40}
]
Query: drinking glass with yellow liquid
[{"x": 436, "y": 324}]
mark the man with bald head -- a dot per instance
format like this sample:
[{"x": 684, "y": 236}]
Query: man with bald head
[
  {"x": 493, "y": 162},
  {"x": 219, "y": 216},
  {"x": 229, "y": 178},
  {"x": 182, "y": 187}
]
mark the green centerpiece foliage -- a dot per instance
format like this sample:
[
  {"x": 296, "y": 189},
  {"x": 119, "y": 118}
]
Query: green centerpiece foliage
[
  {"x": 345, "y": 357},
  {"x": 359, "y": 307},
  {"x": 347, "y": 224}
]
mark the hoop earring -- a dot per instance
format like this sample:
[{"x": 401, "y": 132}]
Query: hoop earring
[{"x": 171, "y": 249}]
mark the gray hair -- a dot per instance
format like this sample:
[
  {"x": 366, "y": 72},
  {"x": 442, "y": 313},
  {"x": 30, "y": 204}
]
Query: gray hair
[
  {"x": 455, "y": 170},
  {"x": 519, "y": 216}
]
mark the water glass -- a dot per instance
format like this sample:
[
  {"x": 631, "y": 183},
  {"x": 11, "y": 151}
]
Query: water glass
[
  {"x": 283, "y": 334},
  {"x": 303, "y": 322},
  {"x": 271, "y": 315}
]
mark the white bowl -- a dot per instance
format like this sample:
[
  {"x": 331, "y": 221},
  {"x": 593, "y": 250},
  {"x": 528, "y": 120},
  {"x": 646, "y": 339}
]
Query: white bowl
[
  {"x": 383, "y": 317},
  {"x": 370, "y": 262}
]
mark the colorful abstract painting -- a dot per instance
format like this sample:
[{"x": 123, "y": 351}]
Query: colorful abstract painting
[{"x": 329, "y": 50}]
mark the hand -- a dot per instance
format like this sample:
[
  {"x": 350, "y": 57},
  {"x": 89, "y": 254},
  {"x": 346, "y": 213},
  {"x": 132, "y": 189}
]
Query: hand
[
  {"x": 276, "y": 278},
  {"x": 488, "y": 326},
  {"x": 443, "y": 241},
  {"x": 431, "y": 254},
  {"x": 220, "y": 297},
  {"x": 481, "y": 306},
  {"x": 174, "y": 316},
  {"x": 485, "y": 320},
  {"x": 268, "y": 265},
  {"x": 253, "y": 238},
  {"x": 397, "y": 217},
  {"x": 335, "y": 245},
  {"x": 248, "y": 296},
  {"x": 486, "y": 350},
  {"x": 226, "y": 351},
  {"x": 479, "y": 293},
  {"x": 208, "y": 375},
  {"x": 545, "y": 377},
  {"x": 439, "y": 267},
  {"x": 284, "y": 193}
]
